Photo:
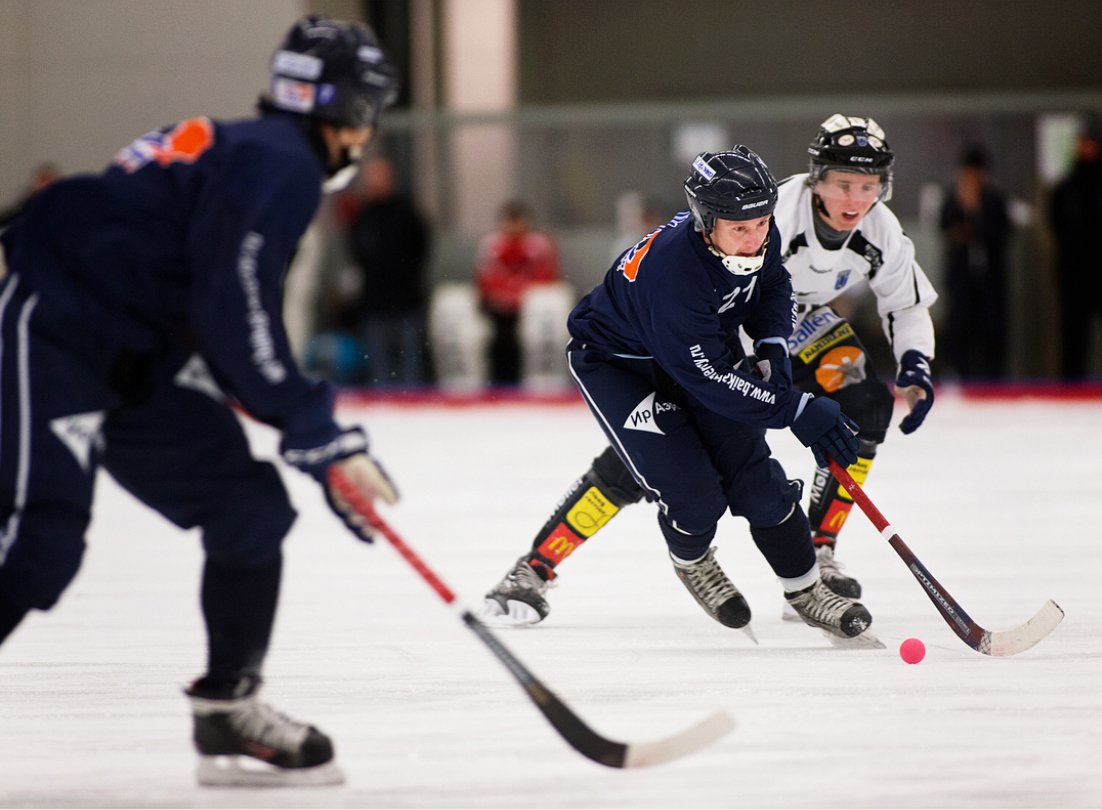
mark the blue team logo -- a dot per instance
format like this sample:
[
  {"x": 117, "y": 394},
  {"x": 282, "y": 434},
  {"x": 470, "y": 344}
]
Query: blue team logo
[{"x": 840, "y": 282}]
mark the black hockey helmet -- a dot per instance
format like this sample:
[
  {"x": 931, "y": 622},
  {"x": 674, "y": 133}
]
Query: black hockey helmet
[
  {"x": 729, "y": 185},
  {"x": 854, "y": 144},
  {"x": 332, "y": 71}
]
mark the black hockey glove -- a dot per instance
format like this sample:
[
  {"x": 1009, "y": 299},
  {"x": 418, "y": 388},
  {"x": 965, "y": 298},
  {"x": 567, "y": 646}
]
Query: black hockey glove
[
  {"x": 773, "y": 363},
  {"x": 348, "y": 452},
  {"x": 915, "y": 386},
  {"x": 827, "y": 431}
]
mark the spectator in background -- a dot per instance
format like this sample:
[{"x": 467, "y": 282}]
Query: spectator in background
[
  {"x": 1076, "y": 217},
  {"x": 44, "y": 174},
  {"x": 510, "y": 260},
  {"x": 389, "y": 240},
  {"x": 976, "y": 225}
]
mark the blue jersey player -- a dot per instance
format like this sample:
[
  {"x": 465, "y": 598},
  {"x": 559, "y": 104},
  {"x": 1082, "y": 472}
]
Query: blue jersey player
[
  {"x": 141, "y": 305},
  {"x": 656, "y": 352}
]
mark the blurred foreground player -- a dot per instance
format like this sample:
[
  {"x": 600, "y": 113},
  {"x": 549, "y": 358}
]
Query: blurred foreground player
[
  {"x": 142, "y": 302},
  {"x": 835, "y": 231},
  {"x": 656, "y": 352}
]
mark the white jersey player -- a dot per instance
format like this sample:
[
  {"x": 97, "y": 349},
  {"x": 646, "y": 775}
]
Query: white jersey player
[{"x": 835, "y": 233}]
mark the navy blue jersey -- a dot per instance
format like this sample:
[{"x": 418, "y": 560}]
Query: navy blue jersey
[
  {"x": 182, "y": 244},
  {"x": 669, "y": 298}
]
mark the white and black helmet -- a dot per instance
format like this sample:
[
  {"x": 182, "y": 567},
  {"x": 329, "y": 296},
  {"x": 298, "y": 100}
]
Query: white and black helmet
[
  {"x": 851, "y": 143},
  {"x": 735, "y": 184}
]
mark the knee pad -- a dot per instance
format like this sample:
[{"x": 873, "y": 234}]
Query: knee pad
[
  {"x": 613, "y": 476},
  {"x": 249, "y": 527},
  {"x": 770, "y": 500}
]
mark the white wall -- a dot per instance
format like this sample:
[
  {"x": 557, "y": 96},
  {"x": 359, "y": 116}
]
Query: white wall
[
  {"x": 480, "y": 55},
  {"x": 81, "y": 78}
]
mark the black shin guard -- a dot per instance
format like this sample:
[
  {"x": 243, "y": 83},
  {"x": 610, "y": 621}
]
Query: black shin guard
[
  {"x": 239, "y": 606},
  {"x": 588, "y": 505},
  {"x": 787, "y": 546}
]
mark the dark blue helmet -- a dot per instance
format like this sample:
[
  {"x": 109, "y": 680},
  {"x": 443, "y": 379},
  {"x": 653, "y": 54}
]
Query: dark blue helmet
[
  {"x": 332, "y": 71},
  {"x": 729, "y": 185}
]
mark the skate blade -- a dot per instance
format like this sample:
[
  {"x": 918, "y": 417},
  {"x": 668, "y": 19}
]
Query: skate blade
[
  {"x": 864, "y": 641},
  {"x": 789, "y": 614},
  {"x": 520, "y": 614},
  {"x": 749, "y": 631},
  {"x": 240, "y": 771}
]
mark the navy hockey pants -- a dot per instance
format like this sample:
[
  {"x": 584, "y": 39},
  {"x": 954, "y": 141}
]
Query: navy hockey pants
[
  {"x": 693, "y": 462},
  {"x": 181, "y": 451}
]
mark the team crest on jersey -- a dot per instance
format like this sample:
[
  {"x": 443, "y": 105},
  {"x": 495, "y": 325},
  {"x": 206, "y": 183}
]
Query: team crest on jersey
[
  {"x": 840, "y": 282},
  {"x": 183, "y": 143},
  {"x": 632, "y": 260}
]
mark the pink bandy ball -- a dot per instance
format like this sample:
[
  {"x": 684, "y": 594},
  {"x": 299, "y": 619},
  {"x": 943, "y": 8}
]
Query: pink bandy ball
[{"x": 912, "y": 650}]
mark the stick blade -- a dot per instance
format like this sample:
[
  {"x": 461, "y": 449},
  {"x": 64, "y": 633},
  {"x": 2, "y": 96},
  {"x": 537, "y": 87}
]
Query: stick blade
[
  {"x": 1020, "y": 639},
  {"x": 659, "y": 752}
]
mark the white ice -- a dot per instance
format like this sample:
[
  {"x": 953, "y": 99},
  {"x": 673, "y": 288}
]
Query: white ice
[{"x": 1000, "y": 500}]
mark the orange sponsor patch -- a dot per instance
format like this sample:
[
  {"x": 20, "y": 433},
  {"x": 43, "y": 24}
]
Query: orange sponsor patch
[{"x": 840, "y": 367}]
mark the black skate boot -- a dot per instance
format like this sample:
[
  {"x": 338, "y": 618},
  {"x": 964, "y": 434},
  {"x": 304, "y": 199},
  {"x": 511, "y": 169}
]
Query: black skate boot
[
  {"x": 243, "y": 742},
  {"x": 837, "y": 615},
  {"x": 713, "y": 591},
  {"x": 831, "y": 572},
  {"x": 517, "y": 600}
]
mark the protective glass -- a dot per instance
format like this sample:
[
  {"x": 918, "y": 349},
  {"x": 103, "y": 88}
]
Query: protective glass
[{"x": 856, "y": 187}]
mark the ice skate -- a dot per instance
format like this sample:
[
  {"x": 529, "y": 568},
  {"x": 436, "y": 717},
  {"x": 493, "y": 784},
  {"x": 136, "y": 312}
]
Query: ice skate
[
  {"x": 831, "y": 572},
  {"x": 836, "y": 615},
  {"x": 714, "y": 592},
  {"x": 516, "y": 601},
  {"x": 245, "y": 743}
]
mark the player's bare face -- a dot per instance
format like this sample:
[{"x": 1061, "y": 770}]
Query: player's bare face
[
  {"x": 740, "y": 237},
  {"x": 847, "y": 197}
]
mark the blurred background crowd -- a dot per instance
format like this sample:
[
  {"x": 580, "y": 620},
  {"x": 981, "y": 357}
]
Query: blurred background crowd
[{"x": 534, "y": 141}]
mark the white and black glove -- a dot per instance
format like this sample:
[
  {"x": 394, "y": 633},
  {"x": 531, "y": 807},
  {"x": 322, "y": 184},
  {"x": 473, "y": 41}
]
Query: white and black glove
[
  {"x": 347, "y": 454},
  {"x": 916, "y": 387}
]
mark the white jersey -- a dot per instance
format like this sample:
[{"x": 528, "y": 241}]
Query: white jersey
[{"x": 876, "y": 251}]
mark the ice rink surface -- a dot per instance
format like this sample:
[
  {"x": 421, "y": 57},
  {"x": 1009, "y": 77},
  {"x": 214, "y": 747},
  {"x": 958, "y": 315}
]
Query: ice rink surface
[{"x": 1000, "y": 500}]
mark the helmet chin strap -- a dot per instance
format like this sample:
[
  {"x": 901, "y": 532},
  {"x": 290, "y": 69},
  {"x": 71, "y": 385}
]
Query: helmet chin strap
[
  {"x": 740, "y": 265},
  {"x": 338, "y": 177}
]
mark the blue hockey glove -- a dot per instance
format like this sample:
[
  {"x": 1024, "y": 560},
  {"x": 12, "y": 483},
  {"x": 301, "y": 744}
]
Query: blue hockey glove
[
  {"x": 772, "y": 362},
  {"x": 914, "y": 385},
  {"x": 348, "y": 452},
  {"x": 823, "y": 427}
]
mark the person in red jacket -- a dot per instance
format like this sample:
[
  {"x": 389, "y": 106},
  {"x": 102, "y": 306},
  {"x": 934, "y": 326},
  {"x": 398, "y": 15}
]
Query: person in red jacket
[{"x": 510, "y": 260}]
